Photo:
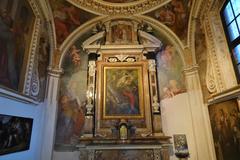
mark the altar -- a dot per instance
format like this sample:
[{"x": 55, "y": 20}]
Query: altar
[
  {"x": 120, "y": 118},
  {"x": 151, "y": 148}
]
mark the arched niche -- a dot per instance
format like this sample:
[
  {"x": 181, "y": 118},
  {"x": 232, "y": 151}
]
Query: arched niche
[{"x": 95, "y": 44}]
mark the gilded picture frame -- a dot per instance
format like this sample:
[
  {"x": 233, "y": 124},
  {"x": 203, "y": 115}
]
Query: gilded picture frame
[
  {"x": 142, "y": 119},
  {"x": 122, "y": 92}
]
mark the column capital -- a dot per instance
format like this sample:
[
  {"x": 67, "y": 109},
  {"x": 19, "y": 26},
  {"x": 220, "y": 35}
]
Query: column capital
[
  {"x": 190, "y": 70},
  {"x": 55, "y": 72}
]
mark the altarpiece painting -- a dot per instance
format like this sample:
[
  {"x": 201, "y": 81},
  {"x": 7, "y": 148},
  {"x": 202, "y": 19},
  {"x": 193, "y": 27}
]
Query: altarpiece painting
[{"x": 123, "y": 94}]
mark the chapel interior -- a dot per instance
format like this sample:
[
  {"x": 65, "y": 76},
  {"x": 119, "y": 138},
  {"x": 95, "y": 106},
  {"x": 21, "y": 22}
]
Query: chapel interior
[{"x": 119, "y": 79}]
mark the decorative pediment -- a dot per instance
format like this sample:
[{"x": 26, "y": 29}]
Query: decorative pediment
[
  {"x": 149, "y": 42},
  {"x": 92, "y": 44},
  {"x": 121, "y": 36}
]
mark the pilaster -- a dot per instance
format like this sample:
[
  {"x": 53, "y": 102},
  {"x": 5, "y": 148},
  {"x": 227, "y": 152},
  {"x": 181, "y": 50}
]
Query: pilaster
[
  {"x": 51, "y": 110},
  {"x": 201, "y": 136}
]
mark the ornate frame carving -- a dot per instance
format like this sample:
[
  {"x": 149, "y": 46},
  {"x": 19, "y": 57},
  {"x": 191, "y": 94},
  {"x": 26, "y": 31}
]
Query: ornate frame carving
[
  {"x": 31, "y": 85},
  {"x": 30, "y": 81},
  {"x": 146, "y": 117}
]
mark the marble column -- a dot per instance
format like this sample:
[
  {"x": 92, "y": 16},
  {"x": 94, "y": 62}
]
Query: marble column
[{"x": 51, "y": 110}]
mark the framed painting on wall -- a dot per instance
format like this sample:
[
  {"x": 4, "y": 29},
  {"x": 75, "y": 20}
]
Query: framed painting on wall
[
  {"x": 123, "y": 92},
  {"x": 17, "y": 26},
  {"x": 225, "y": 123},
  {"x": 15, "y": 133}
]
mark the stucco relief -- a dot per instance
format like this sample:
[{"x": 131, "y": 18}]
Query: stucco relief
[
  {"x": 120, "y": 1},
  {"x": 214, "y": 79},
  {"x": 103, "y": 8},
  {"x": 220, "y": 73}
]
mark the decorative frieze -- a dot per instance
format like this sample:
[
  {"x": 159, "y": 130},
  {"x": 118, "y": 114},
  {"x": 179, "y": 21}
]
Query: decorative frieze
[
  {"x": 103, "y": 8},
  {"x": 33, "y": 49}
]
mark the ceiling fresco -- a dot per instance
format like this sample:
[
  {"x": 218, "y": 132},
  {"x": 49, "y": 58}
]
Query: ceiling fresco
[
  {"x": 175, "y": 15},
  {"x": 67, "y": 18},
  {"x": 69, "y": 15}
]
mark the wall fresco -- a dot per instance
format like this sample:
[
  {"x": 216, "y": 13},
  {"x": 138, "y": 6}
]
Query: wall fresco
[
  {"x": 72, "y": 98},
  {"x": 16, "y": 25},
  {"x": 169, "y": 72}
]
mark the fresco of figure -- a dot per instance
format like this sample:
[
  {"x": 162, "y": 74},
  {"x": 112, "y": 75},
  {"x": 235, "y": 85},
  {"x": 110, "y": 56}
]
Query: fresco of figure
[
  {"x": 167, "y": 16},
  {"x": 71, "y": 119},
  {"x": 175, "y": 15},
  {"x": 169, "y": 70},
  {"x": 15, "y": 37},
  {"x": 8, "y": 74},
  {"x": 122, "y": 97},
  {"x": 72, "y": 97},
  {"x": 66, "y": 19}
]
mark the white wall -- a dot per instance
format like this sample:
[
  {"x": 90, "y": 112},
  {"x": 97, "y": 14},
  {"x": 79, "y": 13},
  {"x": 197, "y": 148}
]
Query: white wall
[
  {"x": 176, "y": 119},
  {"x": 11, "y": 107}
]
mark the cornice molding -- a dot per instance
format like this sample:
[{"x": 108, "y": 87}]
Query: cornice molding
[{"x": 107, "y": 8}]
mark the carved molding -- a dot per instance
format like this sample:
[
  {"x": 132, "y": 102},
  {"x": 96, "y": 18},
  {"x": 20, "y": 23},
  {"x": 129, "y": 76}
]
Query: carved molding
[
  {"x": 106, "y": 8},
  {"x": 157, "y": 154},
  {"x": 92, "y": 68},
  {"x": 212, "y": 55},
  {"x": 122, "y": 58},
  {"x": 210, "y": 80},
  {"x": 35, "y": 83},
  {"x": 91, "y": 87},
  {"x": 56, "y": 57},
  {"x": 152, "y": 65},
  {"x": 33, "y": 48},
  {"x": 149, "y": 42}
]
